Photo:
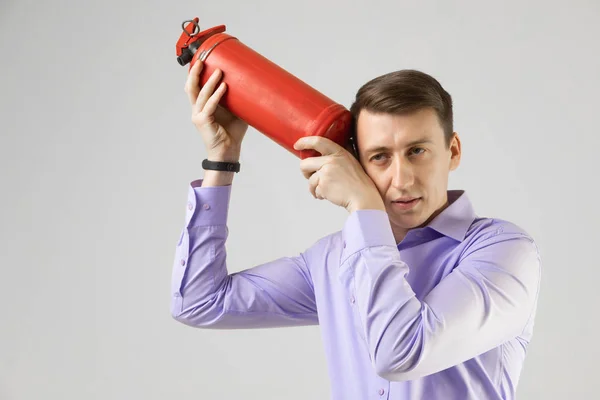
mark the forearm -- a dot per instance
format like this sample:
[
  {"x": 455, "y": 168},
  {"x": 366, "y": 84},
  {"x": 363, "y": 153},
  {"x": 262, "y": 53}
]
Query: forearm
[
  {"x": 205, "y": 294},
  {"x": 197, "y": 272},
  {"x": 486, "y": 300}
]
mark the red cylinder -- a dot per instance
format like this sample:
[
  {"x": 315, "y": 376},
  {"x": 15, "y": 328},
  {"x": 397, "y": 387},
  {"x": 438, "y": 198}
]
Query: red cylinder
[{"x": 267, "y": 97}]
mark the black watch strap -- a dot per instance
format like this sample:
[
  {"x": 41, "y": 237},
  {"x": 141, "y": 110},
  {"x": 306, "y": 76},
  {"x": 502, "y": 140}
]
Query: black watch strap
[{"x": 221, "y": 166}]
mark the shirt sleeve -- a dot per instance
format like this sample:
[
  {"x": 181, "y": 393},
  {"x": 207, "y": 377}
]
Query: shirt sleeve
[
  {"x": 274, "y": 294},
  {"x": 487, "y": 299}
]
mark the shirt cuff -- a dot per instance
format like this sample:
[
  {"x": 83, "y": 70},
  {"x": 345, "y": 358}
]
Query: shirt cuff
[
  {"x": 366, "y": 228},
  {"x": 207, "y": 206}
]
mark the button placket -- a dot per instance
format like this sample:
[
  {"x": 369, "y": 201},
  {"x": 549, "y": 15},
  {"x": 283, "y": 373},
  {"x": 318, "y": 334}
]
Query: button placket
[
  {"x": 191, "y": 206},
  {"x": 183, "y": 252}
]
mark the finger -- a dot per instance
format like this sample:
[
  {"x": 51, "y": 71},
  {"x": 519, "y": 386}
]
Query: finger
[
  {"x": 310, "y": 165},
  {"x": 213, "y": 101},
  {"x": 313, "y": 182},
  {"x": 321, "y": 144},
  {"x": 318, "y": 194},
  {"x": 206, "y": 91},
  {"x": 192, "y": 85}
]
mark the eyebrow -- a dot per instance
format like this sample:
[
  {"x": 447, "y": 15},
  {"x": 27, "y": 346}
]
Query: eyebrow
[{"x": 385, "y": 148}]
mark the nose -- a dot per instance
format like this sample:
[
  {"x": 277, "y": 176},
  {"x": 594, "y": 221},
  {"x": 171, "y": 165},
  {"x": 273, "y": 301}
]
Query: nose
[{"x": 404, "y": 176}]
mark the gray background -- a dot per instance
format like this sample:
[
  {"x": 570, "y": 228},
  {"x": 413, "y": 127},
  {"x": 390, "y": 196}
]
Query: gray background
[{"x": 97, "y": 150}]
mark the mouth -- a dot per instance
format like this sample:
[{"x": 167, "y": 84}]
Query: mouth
[
  {"x": 406, "y": 203},
  {"x": 405, "y": 199}
]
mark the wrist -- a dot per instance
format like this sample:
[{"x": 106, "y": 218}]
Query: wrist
[
  {"x": 217, "y": 178},
  {"x": 367, "y": 204},
  {"x": 228, "y": 155},
  {"x": 221, "y": 178}
]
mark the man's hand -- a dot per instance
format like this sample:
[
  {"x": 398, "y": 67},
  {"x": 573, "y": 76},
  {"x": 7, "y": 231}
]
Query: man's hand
[
  {"x": 337, "y": 176},
  {"x": 221, "y": 131}
]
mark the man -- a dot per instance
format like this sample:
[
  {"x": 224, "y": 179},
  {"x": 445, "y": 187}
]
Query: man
[{"x": 416, "y": 296}]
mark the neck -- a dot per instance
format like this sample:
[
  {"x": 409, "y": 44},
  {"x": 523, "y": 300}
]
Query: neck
[{"x": 400, "y": 233}]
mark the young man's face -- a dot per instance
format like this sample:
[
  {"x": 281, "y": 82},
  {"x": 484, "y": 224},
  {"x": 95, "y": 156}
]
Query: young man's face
[{"x": 407, "y": 158}]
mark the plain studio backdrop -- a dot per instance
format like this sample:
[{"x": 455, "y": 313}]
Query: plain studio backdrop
[{"x": 97, "y": 151}]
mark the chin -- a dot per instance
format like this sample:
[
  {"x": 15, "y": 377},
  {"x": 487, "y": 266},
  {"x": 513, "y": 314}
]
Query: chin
[{"x": 406, "y": 221}]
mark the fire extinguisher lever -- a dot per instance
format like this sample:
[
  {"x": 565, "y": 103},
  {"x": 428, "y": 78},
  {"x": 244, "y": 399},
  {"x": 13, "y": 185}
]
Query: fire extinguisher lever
[{"x": 191, "y": 38}]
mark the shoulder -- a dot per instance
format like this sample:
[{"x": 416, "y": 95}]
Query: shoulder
[
  {"x": 498, "y": 237},
  {"x": 485, "y": 229}
]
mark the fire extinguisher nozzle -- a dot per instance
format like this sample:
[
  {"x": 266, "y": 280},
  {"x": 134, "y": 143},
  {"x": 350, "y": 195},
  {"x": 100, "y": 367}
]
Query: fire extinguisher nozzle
[{"x": 185, "y": 57}]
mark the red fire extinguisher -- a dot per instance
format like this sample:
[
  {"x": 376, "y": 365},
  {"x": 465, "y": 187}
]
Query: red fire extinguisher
[{"x": 270, "y": 99}]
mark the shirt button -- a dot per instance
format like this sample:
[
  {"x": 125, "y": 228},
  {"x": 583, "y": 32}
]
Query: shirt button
[
  {"x": 206, "y": 206},
  {"x": 182, "y": 262},
  {"x": 176, "y": 294},
  {"x": 190, "y": 206},
  {"x": 352, "y": 299},
  {"x": 344, "y": 244},
  {"x": 381, "y": 392}
]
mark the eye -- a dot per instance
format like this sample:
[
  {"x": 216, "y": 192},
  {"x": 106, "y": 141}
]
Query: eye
[
  {"x": 415, "y": 149},
  {"x": 376, "y": 157}
]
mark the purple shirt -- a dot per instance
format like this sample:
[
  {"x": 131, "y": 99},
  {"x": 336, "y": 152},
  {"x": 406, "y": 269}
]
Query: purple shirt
[{"x": 447, "y": 313}]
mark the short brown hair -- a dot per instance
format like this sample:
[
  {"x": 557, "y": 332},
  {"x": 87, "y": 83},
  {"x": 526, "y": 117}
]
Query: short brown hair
[{"x": 401, "y": 92}]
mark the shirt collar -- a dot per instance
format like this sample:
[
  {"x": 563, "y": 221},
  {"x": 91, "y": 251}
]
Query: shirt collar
[{"x": 454, "y": 221}]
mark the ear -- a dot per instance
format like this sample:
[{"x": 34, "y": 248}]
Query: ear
[{"x": 455, "y": 151}]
